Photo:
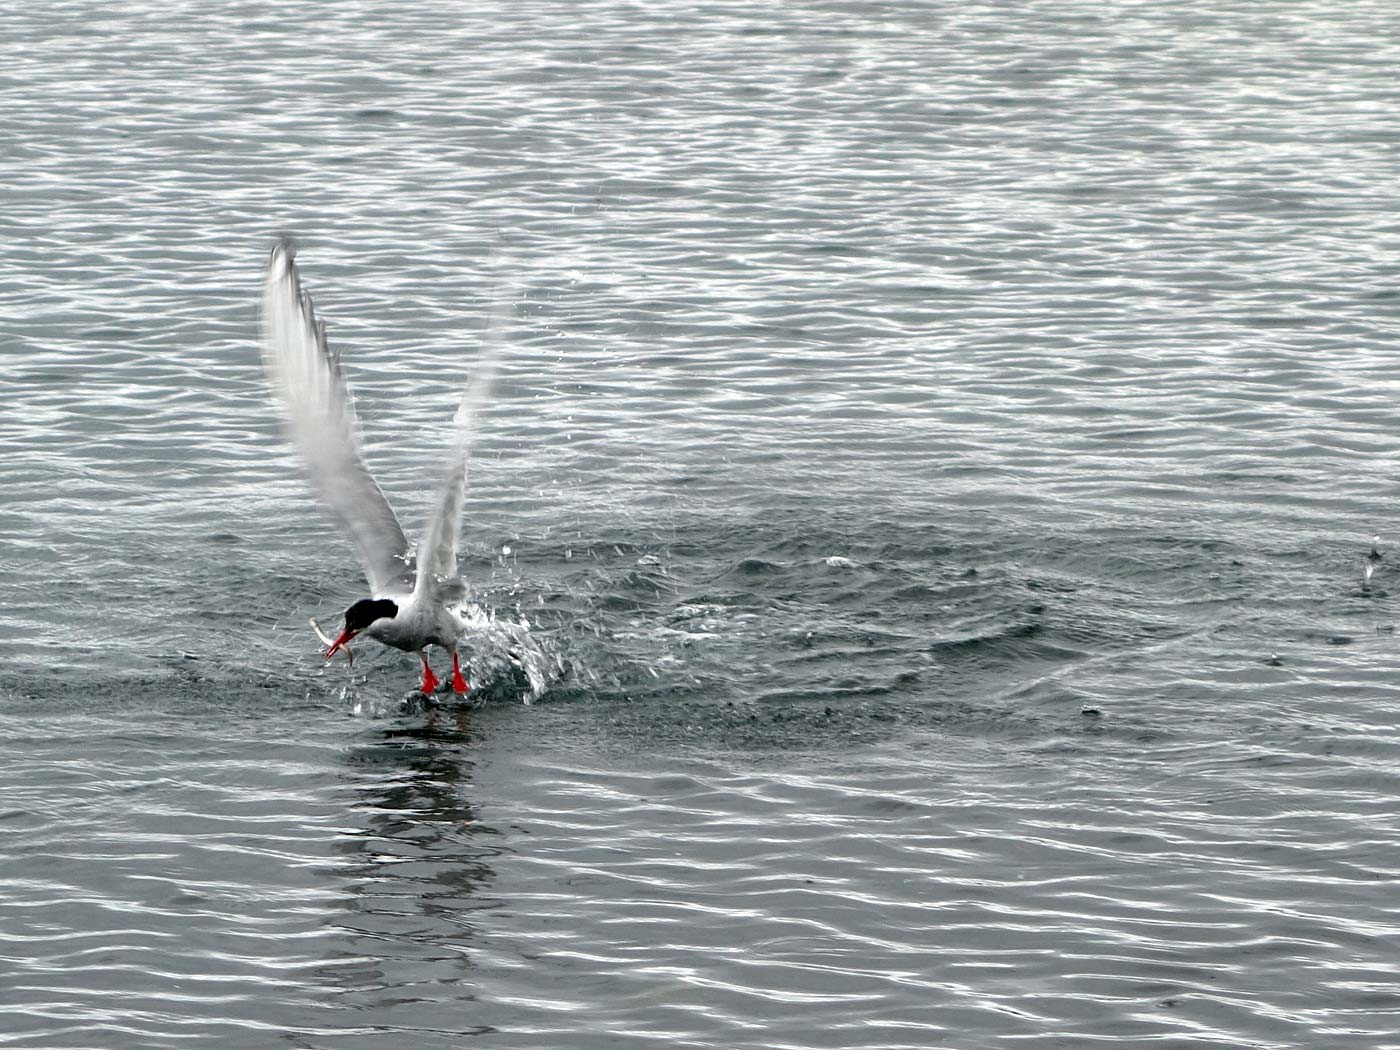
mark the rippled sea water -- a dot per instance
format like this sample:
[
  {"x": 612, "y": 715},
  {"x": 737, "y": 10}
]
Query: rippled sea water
[{"x": 936, "y": 450}]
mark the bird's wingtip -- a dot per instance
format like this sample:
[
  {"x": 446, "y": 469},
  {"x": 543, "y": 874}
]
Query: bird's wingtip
[{"x": 280, "y": 260}]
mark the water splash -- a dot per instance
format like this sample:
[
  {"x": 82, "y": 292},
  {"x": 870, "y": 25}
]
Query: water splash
[
  {"x": 502, "y": 651},
  {"x": 1368, "y": 564}
]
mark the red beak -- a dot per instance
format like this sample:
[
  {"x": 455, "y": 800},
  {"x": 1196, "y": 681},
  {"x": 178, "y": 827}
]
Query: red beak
[{"x": 340, "y": 641}]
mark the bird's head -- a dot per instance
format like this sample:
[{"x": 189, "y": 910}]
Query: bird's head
[{"x": 362, "y": 614}]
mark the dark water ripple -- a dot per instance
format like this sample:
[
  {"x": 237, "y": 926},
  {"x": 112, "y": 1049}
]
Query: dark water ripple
[{"x": 934, "y": 457}]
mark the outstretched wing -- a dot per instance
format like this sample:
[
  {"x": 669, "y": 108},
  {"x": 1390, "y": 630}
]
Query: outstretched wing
[
  {"x": 305, "y": 377},
  {"x": 437, "y": 547}
]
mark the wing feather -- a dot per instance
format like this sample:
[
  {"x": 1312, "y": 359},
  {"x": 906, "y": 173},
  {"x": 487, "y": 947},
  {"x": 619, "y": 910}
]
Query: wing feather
[
  {"x": 437, "y": 547},
  {"x": 319, "y": 413}
]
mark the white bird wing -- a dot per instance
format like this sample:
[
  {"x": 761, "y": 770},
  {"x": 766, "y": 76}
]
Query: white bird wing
[
  {"x": 306, "y": 378},
  {"x": 437, "y": 546}
]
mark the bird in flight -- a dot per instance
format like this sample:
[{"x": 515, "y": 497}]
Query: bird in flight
[{"x": 414, "y": 601}]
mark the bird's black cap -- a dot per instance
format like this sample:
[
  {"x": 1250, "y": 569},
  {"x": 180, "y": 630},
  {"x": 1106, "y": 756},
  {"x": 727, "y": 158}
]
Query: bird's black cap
[{"x": 365, "y": 611}]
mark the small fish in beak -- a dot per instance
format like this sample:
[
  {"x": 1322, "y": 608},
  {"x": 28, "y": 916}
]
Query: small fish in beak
[{"x": 339, "y": 645}]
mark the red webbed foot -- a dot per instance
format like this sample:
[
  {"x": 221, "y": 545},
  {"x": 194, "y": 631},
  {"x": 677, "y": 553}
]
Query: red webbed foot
[
  {"x": 430, "y": 682},
  {"x": 459, "y": 684}
]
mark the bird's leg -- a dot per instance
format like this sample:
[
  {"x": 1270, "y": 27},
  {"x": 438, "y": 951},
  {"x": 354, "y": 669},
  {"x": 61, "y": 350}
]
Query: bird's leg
[
  {"x": 459, "y": 684},
  {"x": 430, "y": 682}
]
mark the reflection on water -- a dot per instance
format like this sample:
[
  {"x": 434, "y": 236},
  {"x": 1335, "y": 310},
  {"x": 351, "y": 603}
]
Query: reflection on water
[{"x": 420, "y": 871}]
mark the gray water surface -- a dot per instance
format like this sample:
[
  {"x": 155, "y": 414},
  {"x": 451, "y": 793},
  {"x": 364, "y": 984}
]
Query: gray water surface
[{"x": 933, "y": 460}]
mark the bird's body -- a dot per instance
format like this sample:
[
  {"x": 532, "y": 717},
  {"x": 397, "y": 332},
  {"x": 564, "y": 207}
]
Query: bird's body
[
  {"x": 417, "y": 623},
  {"x": 415, "y": 599}
]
